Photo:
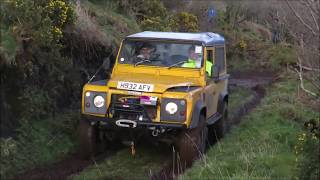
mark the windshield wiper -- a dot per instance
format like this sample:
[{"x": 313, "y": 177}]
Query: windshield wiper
[
  {"x": 106, "y": 62},
  {"x": 180, "y": 62},
  {"x": 142, "y": 61}
]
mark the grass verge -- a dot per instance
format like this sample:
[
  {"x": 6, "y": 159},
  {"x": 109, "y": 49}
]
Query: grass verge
[
  {"x": 37, "y": 144},
  {"x": 262, "y": 146}
]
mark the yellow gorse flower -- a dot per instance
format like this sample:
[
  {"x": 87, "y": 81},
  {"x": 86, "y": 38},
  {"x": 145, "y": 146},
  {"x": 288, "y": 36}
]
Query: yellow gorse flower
[
  {"x": 242, "y": 44},
  {"x": 59, "y": 10}
]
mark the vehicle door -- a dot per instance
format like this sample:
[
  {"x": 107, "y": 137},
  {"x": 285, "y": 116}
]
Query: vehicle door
[
  {"x": 210, "y": 89},
  {"x": 217, "y": 82}
]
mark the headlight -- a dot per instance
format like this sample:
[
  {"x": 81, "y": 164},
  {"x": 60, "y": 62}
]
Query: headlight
[
  {"x": 171, "y": 107},
  {"x": 98, "y": 101}
]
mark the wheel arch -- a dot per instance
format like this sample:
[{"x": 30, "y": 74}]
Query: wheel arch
[
  {"x": 223, "y": 97},
  {"x": 198, "y": 109}
]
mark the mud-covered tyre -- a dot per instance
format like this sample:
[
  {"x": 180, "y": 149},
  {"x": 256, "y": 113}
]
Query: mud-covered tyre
[
  {"x": 221, "y": 125},
  {"x": 191, "y": 144},
  {"x": 219, "y": 128},
  {"x": 87, "y": 139}
]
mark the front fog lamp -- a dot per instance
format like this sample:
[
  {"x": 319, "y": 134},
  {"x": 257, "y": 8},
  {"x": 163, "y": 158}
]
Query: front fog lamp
[
  {"x": 98, "y": 101},
  {"x": 171, "y": 108}
]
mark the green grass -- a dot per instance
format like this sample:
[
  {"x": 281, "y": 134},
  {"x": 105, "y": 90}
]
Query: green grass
[
  {"x": 37, "y": 144},
  {"x": 122, "y": 165},
  {"x": 262, "y": 146}
]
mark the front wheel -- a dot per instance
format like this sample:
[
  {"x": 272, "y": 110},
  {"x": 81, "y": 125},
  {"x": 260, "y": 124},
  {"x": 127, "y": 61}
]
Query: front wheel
[
  {"x": 87, "y": 138},
  {"x": 191, "y": 143}
]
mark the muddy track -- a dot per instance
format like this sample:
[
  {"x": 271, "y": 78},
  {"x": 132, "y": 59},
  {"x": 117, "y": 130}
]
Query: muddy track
[{"x": 72, "y": 164}]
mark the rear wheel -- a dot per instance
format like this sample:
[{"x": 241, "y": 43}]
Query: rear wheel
[
  {"x": 88, "y": 136},
  {"x": 191, "y": 143}
]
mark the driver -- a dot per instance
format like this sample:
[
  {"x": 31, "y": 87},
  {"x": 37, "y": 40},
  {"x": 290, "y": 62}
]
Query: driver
[{"x": 145, "y": 51}]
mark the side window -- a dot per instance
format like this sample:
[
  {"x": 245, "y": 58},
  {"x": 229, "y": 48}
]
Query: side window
[
  {"x": 210, "y": 55},
  {"x": 219, "y": 58},
  {"x": 209, "y": 59}
]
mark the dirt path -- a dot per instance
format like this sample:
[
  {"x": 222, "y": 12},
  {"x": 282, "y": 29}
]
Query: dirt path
[
  {"x": 256, "y": 81},
  {"x": 60, "y": 170}
]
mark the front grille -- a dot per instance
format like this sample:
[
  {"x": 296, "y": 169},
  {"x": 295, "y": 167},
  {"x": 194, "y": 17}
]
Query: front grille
[{"x": 130, "y": 107}]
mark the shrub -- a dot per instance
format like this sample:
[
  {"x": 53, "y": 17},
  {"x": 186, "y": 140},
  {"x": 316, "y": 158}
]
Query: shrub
[
  {"x": 184, "y": 22},
  {"x": 282, "y": 55},
  {"x": 8, "y": 45},
  {"x": 154, "y": 24},
  {"x": 41, "y": 21},
  {"x": 307, "y": 151},
  {"x": 36, "y": 103},
  {"x": 142, "y": 9}
]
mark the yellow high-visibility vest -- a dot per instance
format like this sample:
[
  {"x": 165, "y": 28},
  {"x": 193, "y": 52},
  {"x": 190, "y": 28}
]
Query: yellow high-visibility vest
[{"x": 192, "y": 64}]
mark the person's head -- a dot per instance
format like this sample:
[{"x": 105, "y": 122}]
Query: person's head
[
  {"x": 146, "y": 50},
  {"x": 194, "y": 56}
]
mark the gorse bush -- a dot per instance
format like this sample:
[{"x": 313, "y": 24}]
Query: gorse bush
[
  {"x": 184, "y": 22},
  {"x": 37, "y": 28},
  {"x": 154, "y": 24},
  {"x": 154, "y": 16},
  {"x": 41, "y": 21},
  {"x": 307, "y": 151}
]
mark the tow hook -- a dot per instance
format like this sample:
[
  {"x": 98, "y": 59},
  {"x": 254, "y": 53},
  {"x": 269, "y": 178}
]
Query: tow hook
[
  {"x": 155, "y": 132},
  {"x": 126, "y": 123}
]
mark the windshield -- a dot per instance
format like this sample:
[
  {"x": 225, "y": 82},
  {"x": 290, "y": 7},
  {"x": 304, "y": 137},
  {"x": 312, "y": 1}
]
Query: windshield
[{"x": 167, "y": 54}]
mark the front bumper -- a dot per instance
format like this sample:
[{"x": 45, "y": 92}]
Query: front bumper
[{"x": 111, "y": 123}]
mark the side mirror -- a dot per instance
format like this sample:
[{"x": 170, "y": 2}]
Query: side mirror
[
  {"x": 215, "y": 72},
  {"x": 106, "y": 63}
]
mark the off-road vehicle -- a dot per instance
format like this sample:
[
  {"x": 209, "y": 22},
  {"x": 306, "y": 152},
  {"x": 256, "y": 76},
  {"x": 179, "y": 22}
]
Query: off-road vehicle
[{"x": 154, "y": 92}]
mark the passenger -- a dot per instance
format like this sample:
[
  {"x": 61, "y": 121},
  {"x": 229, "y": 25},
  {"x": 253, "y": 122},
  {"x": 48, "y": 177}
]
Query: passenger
[{"x": 194, "y": 61}]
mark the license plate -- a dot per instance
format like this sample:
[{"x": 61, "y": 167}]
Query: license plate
[{"x": 135, "y": 86}]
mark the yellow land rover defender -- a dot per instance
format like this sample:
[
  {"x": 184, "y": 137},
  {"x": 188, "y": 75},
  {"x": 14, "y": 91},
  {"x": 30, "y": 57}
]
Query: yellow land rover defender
[{"x": 163, "y": 85}]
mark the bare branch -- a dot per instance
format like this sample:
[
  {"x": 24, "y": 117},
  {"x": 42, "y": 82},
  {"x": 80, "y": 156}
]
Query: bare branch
[
  {"x": 313, "y": 8},
  {"x": 301, "y": 81},
  {"x": 310, "y": 69},
  {"x": 307, "y": 3},
  {"x": 300, "y": 19}
]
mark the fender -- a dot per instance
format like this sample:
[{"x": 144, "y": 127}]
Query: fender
[{"x": 198, "y": 107}]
